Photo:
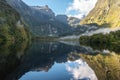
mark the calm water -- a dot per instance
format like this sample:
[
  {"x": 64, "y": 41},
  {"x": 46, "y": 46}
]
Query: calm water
[{"x": 57, "y": 61}]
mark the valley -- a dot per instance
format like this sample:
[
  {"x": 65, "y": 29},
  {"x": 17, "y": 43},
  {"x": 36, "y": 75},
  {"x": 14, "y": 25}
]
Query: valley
[{"x": 39, "y": 43}]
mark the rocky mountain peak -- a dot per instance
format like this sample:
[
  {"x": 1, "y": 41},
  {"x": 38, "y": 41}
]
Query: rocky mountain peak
[{"x": 45, "y": 9}]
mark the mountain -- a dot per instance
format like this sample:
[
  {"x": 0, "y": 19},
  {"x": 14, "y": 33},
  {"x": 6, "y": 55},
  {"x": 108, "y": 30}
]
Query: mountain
[
  {"x": 62, "y": 18},
  {"x": 41, "y": 20},
  {"x": 28, "y": 13},
  {"x": 72, "y": 21},
  {"x": 12, "y": 27},
  {"x": 105, "y": 13},
  {"x": 45, "y": 10}
]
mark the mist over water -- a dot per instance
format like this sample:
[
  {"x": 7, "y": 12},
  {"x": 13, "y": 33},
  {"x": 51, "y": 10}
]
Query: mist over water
[
  {"x": 101, "y": 30},
  {"x": 89, "y": 32}
]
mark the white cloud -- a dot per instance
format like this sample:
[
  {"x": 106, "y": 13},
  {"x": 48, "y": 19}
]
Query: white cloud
[
  {"x": 81, "y": 70},
  {"x": 80, "y": 7}
]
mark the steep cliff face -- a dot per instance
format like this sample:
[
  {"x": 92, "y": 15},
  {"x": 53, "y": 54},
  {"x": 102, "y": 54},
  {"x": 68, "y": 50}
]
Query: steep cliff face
[
  {"x": 41, "y": 20},
  {"x": 62, "y": 18},
  {"x": 11, "y": 26},
  {"x": 45, "y": 10},
  {"x": 106, "y": 12}
]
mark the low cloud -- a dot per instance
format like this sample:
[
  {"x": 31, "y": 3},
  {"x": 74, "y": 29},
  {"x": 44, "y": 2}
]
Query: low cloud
[
  {"x": 101, "y": 30},
  {"x": 80, "y": 8}
]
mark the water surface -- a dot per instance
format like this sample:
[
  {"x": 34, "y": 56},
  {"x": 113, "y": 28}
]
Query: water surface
[{"x": 59, "y": 61}]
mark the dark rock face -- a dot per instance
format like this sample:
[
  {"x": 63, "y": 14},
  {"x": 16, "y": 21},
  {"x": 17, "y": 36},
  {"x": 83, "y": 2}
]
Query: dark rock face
[
  {"x": 62, "y": 18},
  {"x": 45, "y": 10},
  {"x": 41, "y": 19}
]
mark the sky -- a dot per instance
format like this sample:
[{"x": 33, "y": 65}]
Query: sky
[{"x": 76, "y": 8}]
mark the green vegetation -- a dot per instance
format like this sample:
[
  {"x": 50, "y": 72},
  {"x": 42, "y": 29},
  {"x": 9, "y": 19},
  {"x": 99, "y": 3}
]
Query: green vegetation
[
  {"x": 106, "y": 67},
  {"x": 10, "y": 56},
  {"x": 100, "y": 41},
  {"x": 12, "y": 28},
  {"x": 104, "y": 12}
]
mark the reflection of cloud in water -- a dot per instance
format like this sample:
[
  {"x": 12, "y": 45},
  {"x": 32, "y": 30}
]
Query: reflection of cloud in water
[{"x": 80, "y": 70}]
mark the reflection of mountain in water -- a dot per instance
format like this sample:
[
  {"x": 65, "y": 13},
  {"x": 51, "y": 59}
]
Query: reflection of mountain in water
[
  {"x": 106, "y": 67},
  {"x": 10, "y": 55},
  {"x": 42, "y": 55}
]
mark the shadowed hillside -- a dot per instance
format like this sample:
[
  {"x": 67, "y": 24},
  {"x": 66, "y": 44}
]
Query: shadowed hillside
[{"x": 11, "y": 26}]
